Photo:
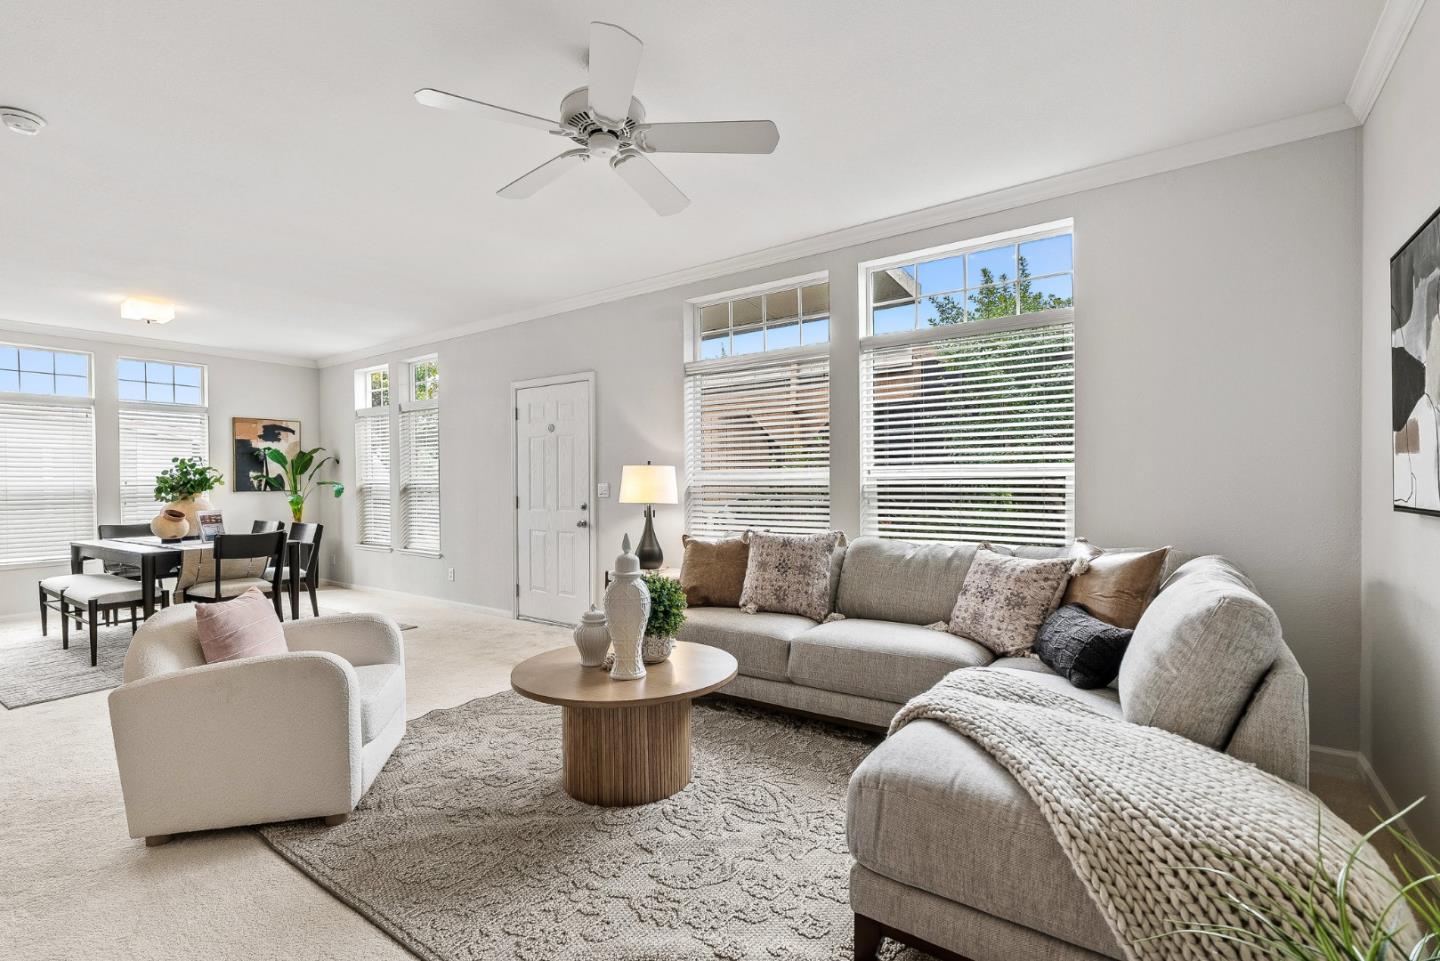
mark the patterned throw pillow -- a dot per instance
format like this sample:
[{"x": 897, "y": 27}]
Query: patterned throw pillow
[
  {"x": 1081, "y": 648},
  {"x": 789, "y": 574},
  {"x": 1004, "y": 600}
]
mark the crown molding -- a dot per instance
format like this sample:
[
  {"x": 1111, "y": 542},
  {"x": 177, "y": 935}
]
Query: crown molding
[
  {"x": 1388, "y": 39},
  {"x": 26, "y": 329},
  {"x": 1287, "y": 130}
]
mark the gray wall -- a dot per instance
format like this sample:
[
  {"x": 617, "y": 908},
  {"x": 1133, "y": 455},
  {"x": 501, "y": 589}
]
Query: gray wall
[
  {"x": 237, "y": 388},
  {"x": 1217, "y": 394},
  {"x": 1400, "y": 569}
]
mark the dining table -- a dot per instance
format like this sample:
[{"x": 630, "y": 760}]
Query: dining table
[{"x": 156, "y": 558}]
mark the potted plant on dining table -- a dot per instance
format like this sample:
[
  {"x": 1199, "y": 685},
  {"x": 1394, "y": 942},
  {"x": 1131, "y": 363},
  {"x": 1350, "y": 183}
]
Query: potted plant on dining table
[{"x": 183, "y": 488}]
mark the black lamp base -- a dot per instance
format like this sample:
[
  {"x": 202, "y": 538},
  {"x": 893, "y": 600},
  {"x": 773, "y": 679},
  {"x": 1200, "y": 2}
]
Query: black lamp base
[{"x": 651, "y": 557}]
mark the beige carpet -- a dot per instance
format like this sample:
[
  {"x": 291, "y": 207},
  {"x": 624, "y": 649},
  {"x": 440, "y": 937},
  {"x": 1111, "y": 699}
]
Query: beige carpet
[{"x": 75, "y": 885}]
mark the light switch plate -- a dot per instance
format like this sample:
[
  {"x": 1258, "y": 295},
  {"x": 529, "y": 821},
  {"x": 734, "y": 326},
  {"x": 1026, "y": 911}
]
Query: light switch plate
[{"x": 602, "y": 490}]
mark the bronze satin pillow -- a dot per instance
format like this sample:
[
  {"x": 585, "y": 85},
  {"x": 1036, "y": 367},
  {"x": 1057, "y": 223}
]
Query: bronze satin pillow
[
  {"x": 1118, "y": 585},
  {"x": 713, "y": 572}
]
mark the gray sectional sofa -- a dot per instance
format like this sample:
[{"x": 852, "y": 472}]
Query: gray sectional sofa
[{"x": 951, "y": 854}]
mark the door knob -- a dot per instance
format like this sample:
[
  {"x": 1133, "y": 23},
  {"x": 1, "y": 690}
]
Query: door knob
[{"x": 582, "y": 523}]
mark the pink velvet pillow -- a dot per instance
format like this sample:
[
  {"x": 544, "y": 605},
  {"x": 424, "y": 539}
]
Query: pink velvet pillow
[{"x": 243, "y": 627}]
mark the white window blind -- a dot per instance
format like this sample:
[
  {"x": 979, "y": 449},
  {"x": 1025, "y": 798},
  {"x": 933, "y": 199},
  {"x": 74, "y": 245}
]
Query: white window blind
[
  {"x": 757, "y": 447},
  {"x": 47, "y": 480},
  {"x": 372, "y": 478},
  {"x": 420, "y": 478},
  {"x": 971, "y": 438},
  {"x": 149, "y": 439}
]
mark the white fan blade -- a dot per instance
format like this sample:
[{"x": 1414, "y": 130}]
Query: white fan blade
[
  {"x": 526, "y": 185},
  {"x": 726, "y": 136},
  {"x": 450, "y": 101},
  {"x": 614, "y": 62},
  {"x": 646, "y": 180}
]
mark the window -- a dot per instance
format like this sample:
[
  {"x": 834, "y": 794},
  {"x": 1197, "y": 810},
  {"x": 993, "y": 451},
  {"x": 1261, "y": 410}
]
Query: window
[
  {"x": 793, "y": 316},
  {"x": 372, "y": 455},
  {"x": 757, "y": 448},
  {"x": 968, "y": 395},
  {"x": 159, "y": 382},
  {"x": 52, "y": 373},
  {"x": 420, "y": 460},
  {"x": 150, "y": 438},
  {"x": 47, "y": 480},
  {"x": 372, "y": 388},
  {"x": 998, "y": 280}
]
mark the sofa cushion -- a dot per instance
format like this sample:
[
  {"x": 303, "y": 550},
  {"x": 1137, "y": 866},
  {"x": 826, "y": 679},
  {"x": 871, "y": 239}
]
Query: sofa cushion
[
  {"x": 790, "y": 574},
  {"x": 713, "y": 572},
  {"x": 931, "y": 809},
  {"x": 1005, "y": 599},
  {"x": 1199, "y": 653},
  {"x": 760, "y": 643},
  {"x": 382, "y": 694},
  {"x": 879, "y": 659},
  {"x": 885, "y": 580}
]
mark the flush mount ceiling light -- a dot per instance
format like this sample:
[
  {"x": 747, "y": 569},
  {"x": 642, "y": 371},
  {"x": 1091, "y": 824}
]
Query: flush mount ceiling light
[
  {"x": 147, "y": 309},
  {"x": 21, "y": 121}
]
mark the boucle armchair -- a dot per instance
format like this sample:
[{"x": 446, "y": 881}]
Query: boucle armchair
[{"x": 273, "y": 738}]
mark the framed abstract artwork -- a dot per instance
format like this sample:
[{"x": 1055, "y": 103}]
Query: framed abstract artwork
[{"x": 252, "y": 436}]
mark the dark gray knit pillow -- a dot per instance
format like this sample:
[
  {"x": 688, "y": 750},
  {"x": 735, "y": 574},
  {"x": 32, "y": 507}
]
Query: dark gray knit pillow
[{"x": 1082, "y": 649}]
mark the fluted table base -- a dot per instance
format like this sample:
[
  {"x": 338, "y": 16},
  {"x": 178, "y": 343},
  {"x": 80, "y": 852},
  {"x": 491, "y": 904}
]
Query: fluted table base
[{"x": 622, "y": 756}]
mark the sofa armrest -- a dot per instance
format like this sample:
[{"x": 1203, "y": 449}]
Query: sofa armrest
[
  {"x": 240, "y": 742},
  {"x": 361, "y": 639}
]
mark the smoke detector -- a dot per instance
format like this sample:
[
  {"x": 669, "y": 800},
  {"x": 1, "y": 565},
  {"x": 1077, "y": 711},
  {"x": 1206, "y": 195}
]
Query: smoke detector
[{"x": 21, "y": 121}]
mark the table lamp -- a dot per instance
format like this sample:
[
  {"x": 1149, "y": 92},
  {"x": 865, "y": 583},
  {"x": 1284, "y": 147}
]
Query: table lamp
[{"x": 648, "y": 484}]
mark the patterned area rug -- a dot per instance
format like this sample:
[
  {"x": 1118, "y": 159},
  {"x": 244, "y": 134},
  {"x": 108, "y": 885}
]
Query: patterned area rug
[
  {"x": 35, "y": 669},
  {"x": 466, "y": 847}
]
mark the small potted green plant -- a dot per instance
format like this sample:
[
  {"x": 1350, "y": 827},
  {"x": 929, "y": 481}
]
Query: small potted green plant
[
  {"x": 184, "y": 486},
  {"x": 667, "y": 613},
  {"x": 297, "y": 477}
]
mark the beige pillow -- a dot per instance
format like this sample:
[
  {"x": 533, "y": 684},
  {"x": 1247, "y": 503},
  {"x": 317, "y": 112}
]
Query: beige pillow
[
  {"x": 713, "y": 572},
  {"x": 1118, "y": 585},
  {"x": 243, "y": 627},
  {"x": 790, "y": 574},
  {"x": 1004, "y": 600}
]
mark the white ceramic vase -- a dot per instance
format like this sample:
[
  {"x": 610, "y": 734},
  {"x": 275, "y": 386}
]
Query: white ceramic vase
[
  {"x": 627, "y": 609},
  {"x": 592, "y": 637}
]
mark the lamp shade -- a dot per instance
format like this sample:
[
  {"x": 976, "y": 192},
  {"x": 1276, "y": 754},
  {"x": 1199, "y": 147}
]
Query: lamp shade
[{"x": 648, "y": 484}]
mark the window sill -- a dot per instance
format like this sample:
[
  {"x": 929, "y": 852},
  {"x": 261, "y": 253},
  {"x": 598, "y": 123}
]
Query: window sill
[
  {"x": 378, "y": 549},
  {"x": 414, "y": 553}
]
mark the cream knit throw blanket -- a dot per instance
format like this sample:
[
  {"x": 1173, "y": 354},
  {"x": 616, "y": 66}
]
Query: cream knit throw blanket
[{"x": 1134, "y": 806}]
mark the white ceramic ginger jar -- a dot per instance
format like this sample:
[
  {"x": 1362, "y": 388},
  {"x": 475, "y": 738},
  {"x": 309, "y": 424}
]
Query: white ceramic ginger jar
[{"x": 627, "y": 609}]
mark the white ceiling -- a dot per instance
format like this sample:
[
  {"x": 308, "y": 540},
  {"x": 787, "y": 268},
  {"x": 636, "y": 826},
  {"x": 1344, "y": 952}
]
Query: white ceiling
[{"x": 263, "y": 163}]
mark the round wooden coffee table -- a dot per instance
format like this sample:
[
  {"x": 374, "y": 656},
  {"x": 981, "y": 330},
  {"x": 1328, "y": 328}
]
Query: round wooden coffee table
[{"x": 625, "y": 742}]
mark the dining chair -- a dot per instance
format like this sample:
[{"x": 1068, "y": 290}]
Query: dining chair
[
  {"x": 268, "y": 547},
  {"x": 266, "y": 527},
  {"x": 132, "y": 571},
  {"x": 302, "y": 560}
]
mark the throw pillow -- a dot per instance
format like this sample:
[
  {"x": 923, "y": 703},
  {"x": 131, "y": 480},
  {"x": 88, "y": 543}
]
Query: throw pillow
[
  {"x": 790, "y": 574},
  {"x": 243, "y": 627},
  {"x": 713, "y": 572},
  {"x": 1118, "y": 585},
  {"x": 1083, "y": 649},
  {"x": 1004, "y": 600}
]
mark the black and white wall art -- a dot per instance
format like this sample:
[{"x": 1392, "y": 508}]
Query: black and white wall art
[{"x": 1415, "y": 369}]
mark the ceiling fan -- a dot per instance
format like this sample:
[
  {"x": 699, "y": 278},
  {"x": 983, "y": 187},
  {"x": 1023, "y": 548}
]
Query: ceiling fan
[{"x": 609, "y": 124}]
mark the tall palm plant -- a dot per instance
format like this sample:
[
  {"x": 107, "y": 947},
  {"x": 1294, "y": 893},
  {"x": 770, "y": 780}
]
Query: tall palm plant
[{"x": 297, "y": 476}]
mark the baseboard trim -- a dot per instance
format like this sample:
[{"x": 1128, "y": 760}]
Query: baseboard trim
[
  {"x": 1353, "y": 764},
  {"x": 464, "y": 605}
]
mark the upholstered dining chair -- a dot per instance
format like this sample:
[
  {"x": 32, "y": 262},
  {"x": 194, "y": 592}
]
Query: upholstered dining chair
[
  {"x": 88, "y": 599},
  {"x": 266, "y": 527},
  {"x": 132, "y": 571},
  {"x": 257, "y": 739},
  {"x": 260, "y": 557}
]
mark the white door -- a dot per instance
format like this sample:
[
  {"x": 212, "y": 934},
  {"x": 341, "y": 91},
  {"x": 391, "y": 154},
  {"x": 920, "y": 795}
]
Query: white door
[{"x": 552, "y": 484}]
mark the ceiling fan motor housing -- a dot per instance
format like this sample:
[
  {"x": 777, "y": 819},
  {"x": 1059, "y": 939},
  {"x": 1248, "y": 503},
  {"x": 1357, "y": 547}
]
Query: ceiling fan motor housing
[{"x": 602, "y": 136}]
